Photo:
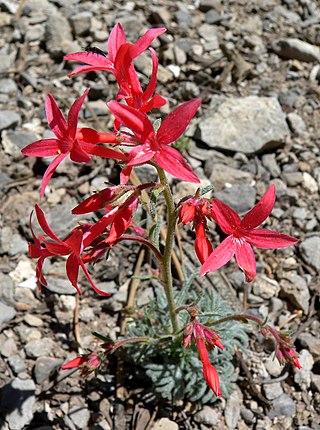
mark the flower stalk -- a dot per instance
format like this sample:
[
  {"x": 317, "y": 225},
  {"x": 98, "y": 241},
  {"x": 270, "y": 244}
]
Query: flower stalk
[{"x": 166, "y": 271}]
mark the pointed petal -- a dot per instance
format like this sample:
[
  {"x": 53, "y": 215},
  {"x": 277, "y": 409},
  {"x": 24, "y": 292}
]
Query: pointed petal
[
  {"x": 260, "y": 211},
  {"x": 39, "y": 275},
  {"x": 203, "y": 248},
  {"x": 42, "y": 148},
  {"x": 74, "y": 241},
  {"x": 50, "y": 171},
  {"x": 116, "y": 39},
  {"x": 219, "y": 256},
  {"x": 78, "y": 153},
  {"x": 56, "y": 120},
  {"x": 99, "y": 227},
  {"x": 139, "y": 155},
  {"x": 155, "y": 102},
  {"x": 87, "y": 69},
  {"x": 224, "y": 216},
  {"x": 125, "y": 175},
  {"x": 76, "y": 362},
  {"x": 170, "y": 160},
  {"x": 210, "y": 373},
  {"x": 120, "y": 224},
  {"x": 136, "y": 121},
  {"x": 74, "y": 114},
  {"x": 101, "y": 151},
  {"x": 148, "y": 93},
  {"x": 97, "y": 290},
  {"x": 268, "y": 239},
  {"x": 72, "y": 268},
  {"x": 90, "y": 58},
  {"x": 96, "y": 201},
  {"x": 177, "y": 121},
  {"x": 45, "y": 226},
  {"x": 143, "y": 43},
  {"x": 246, "y": 260},
  {"x": 57, "y": 248}
]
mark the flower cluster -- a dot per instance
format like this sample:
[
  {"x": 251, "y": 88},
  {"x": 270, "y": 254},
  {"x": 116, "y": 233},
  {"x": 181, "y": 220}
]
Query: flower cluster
[
  {"x": 205, "y": 339},
  {"x": 135, "y": 141},
  {"x": 241, "y": 234}
]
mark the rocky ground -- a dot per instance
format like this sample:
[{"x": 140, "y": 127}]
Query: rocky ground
[{"x": 256, "y": 66}]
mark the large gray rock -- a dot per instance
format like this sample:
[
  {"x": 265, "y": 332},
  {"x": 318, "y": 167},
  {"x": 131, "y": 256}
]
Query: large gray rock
[
  {"x": 17, "y": 401},
  {"x": 249, "y": 124}
]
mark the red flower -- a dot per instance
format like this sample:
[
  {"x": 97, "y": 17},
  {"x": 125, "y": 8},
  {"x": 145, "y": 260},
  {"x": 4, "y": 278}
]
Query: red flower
[
  {"x": 73, "y": 246},
  {"x": 154, "y": 146},
  {"x": 205, "y": 339},
  {"x": 242, "y": 234},
  {"x": 197, "y": 210},
  {"x": 88, "y": 364},
  {"x": 120, "y": 63},
  {"x": 80, "y": 143}
]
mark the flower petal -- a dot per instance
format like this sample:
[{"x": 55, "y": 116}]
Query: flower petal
[
  {"x": 86, "y": 69},
  {"x": 45, "y": 226},
  {"x": 136, "y": 121},
  {"x": 148, "y": 93},
  {"x": 260, "y": 211},
  {"x": 76, "y": 362},
  {"x": 116, "y": 39},
  {"x": 210, "y": 373},
  {"x": 72, "y": 268},
  {"x": 227, "y": 219},
  {"x": 268, "y": 239},
  {"x": 177, "y": 121},
  {"x": 142, "y": 44},
  {"x": 74, "y": 114},
  {"x": 170, "y": 160},
  {"x": 50, "y": 171},
  {"x": 246, "y": 259},
  {"x": 56, "y": 120},
  {"x": 42, "y": 148},
  {"x": 97, "y": 290},
  {"x": 90, "y": 58},
  {"x": 219, "y": 256}
]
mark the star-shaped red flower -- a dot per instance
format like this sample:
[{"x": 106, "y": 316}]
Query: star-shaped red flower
[{"x": 242, "y": 234}]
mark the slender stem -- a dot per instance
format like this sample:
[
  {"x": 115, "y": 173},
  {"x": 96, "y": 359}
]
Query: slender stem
[
  {"x": 239, "y": 317},
  {"x": 144, "y": 241},
  {"x": 166, "y": 273}
]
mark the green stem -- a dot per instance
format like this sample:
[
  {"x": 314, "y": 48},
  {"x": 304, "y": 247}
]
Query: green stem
[{"x": 166, "y": 273}]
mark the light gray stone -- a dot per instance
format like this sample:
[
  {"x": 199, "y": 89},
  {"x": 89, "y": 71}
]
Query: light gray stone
[
  {"x": 18, "y": 399},
  {"x": 295, "y": 289},
  {"x": 302, "y": 376},
  {"x": 282, "y": 406},
  {"x": 39, "y": 347},
  {"x": 7, "y": 313},
  {"x": 17, "y": 364},
  {"x": 80, "y": 416},
  {"x": 8, "y": 119},
  {"x": 270, "y": 163},
  {"x": 298, "y": 50},
  {"x": 310, "y": 251},
  {"x": 240, "y": 197},
  {"x": 208, "y": 416},
  {"x": 81, "y": 22},
  {"x": 249, "y": 124},
  {"x": 232, "y": 409},
  {"x": 272, "y": 391},
  {"x": 44, "y": 367}
]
